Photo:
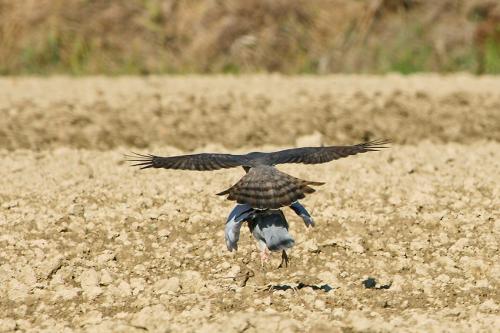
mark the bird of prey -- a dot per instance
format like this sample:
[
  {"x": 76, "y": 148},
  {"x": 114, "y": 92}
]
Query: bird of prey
[
  {"x": 268, "y": 227},
  {"x": 263, "y": 186}
]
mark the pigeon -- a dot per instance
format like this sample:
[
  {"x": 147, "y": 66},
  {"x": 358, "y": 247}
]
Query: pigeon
[{"x": 268, "y": 227}]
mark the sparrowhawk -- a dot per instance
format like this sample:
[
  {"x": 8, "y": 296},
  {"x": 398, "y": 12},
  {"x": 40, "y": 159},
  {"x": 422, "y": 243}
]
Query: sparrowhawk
[{"x": 263, "y": 186}]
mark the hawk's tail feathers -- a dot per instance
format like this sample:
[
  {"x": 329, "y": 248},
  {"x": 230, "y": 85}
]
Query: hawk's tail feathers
[
  {"x": 269, "y": 189},
  {"x": 224, "y": 192}
]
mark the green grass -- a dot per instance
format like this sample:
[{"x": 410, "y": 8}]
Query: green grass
[
  {"x": 411, "y": 60},
  {"x": 42, "y": 58},
  {"x": 408, "y": 51},
  {"x": 81, "y": 58},
  {"x": 492, "y": 57}
]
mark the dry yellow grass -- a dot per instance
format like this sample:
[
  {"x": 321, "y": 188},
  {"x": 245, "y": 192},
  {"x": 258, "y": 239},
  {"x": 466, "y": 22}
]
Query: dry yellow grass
[{"x": 289, "y": 36}]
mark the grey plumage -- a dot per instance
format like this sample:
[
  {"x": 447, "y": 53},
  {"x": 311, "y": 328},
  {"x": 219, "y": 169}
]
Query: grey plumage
[
  {"x": 270, "y": 229},
  {"x": 235, "y": 220},
  {"x": 261, "y": 220},
  {"x": 263, "y": 187}
]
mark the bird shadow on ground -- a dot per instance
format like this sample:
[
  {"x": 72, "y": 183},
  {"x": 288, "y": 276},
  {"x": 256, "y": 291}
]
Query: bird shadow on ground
[
  {"x": 371, "y": 283},
  {"x": 325, "y": 287}
]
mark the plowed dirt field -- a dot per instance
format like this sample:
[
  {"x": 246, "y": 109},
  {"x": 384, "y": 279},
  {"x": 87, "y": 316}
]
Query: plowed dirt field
[{"x": 406, "y": 239}]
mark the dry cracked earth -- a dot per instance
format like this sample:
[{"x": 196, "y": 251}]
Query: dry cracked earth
[{"x": 406, "y": 239}]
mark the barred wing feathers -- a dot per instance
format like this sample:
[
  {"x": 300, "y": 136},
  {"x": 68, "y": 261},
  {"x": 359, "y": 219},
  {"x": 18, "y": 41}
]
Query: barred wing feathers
[
  {"x": 201, "y": 162},
  {"x": 316, "y": 155}
]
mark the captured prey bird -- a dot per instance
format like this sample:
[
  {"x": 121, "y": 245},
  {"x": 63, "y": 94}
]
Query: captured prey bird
[
  {"x": 269, "y": 228},
  {"x": 263, "y": 186}
]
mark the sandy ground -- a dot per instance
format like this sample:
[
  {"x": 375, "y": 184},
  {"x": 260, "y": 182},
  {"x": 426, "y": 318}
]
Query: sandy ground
[
  {"x": 91, "y": 244},
  {"x": 103, "y": 113}
]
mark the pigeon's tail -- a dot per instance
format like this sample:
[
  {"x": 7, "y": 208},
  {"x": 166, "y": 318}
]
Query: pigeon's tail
[
  {"x": 280, "y": 240},
  {"x": 271, "y": 228},
  {"x": 265, "y": 187}
]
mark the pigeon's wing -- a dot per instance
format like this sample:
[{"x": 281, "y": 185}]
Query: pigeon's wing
[
  {"x": 303, "y": 213},
  {"x": 233, "y": 225},
  {"x": 316, "y": 155},
  {"x": 201, "y": 162},
  {"x": 265, "y": 187}
]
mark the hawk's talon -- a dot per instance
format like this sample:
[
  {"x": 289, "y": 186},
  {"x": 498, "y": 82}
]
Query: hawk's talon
[{"x": 284, "y": 259}]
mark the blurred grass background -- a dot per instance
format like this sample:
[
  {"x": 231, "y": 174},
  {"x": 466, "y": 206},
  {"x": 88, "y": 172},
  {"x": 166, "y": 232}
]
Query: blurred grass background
[{"x": 115, "y": 37}]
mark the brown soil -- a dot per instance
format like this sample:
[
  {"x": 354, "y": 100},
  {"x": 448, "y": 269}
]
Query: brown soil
[
  {"x": 90, "y": 244},
  {"x": 248, "y": 111}
]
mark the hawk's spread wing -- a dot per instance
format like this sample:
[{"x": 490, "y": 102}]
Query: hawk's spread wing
[
  {"x": 200, "y": 162},
  {"x": 263, "y": 186},
  {"x": 315, "y": 155}
]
